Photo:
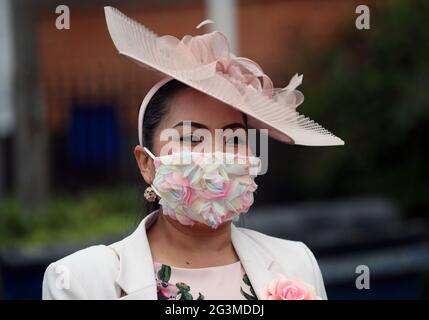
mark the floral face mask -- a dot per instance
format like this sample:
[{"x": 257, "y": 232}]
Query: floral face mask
[{"x": 209, "y": 188}]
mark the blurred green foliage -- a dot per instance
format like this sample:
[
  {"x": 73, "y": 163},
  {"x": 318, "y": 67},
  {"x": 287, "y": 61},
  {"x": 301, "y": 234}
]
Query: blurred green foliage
[
  {"x": 371, "y": 89},
  {"x": 89, "y": 216}
]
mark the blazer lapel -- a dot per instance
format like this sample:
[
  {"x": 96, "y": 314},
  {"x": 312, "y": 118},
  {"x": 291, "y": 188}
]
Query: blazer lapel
[
  {"x": 136, "y": 272},
  {"x": 258, "y": 264}
]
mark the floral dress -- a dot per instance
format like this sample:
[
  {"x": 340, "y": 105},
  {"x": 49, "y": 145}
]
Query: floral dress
[{"x": 227, "y": 282}]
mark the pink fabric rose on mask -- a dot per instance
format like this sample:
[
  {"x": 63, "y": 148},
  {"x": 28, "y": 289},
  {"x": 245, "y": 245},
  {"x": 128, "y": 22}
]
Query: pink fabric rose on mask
[
  {"x": 215, "y": 187},
  {"x": 282, "y": 288},
  {"x": 178, "y": 186},
  {"x": 246, "y": 202}
]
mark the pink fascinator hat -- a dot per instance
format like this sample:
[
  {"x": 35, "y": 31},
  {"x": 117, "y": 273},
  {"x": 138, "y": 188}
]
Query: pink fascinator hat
[{"x": 205, "y": 63}]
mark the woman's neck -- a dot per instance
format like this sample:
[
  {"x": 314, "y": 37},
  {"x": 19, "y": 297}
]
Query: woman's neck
[{"x": 195, "y": 246}]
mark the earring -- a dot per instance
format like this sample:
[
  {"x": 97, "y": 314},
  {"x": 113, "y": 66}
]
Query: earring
[{"x": 149, "y": 194}]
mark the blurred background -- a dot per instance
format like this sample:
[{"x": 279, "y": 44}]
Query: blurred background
[{"x": 68, "y": 112}]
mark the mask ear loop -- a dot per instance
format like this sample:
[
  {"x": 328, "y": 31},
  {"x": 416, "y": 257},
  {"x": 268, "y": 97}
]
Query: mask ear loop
[
  {"x": 149, "y": 153},
  {"x": 153, "y": 158}
]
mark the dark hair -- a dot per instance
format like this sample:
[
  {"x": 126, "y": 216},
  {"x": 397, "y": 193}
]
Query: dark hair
[{"x": 156, "y": 110}]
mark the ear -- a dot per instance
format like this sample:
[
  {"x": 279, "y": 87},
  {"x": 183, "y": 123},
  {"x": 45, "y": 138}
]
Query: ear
[{"x": 145, "y": 163}]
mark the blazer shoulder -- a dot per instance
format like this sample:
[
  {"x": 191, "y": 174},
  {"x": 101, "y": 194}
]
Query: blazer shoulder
[{"x": 89, "y": 273}]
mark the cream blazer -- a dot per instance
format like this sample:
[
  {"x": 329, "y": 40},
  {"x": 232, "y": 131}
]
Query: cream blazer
[{"x": 124, "y": 270}]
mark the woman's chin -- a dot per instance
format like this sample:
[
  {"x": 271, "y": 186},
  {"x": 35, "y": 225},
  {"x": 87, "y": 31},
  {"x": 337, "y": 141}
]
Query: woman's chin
[{"x": 196, "y": 225}]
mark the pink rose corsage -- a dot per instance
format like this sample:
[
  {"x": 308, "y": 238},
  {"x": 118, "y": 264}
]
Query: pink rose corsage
[{"x": 282, "y": 288}]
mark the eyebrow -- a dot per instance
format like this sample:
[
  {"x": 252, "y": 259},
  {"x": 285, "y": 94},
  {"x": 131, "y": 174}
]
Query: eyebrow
[{"x": 202, "y": 126}]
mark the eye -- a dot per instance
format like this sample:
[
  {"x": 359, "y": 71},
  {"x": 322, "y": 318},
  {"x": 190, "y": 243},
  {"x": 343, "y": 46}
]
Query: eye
[
  {"x": 193, "y": 138},
  {"x": 234, "y": 140}
]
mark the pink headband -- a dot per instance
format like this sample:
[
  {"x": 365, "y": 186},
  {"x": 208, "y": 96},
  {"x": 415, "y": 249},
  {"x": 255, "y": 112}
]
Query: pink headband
[{"x": 145, "y": 102}]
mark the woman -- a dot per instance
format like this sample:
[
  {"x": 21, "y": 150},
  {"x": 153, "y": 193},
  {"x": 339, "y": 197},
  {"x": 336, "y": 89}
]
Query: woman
[{"x": 189, "y": 248}]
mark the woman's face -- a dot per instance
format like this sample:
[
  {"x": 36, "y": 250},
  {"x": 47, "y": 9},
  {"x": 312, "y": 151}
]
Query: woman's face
[{"x": 205, "y": 114}]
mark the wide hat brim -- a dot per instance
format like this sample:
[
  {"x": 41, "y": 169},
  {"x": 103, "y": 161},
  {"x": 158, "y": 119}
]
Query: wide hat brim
[{"x": 284, "y": 123}]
